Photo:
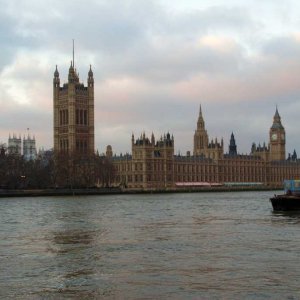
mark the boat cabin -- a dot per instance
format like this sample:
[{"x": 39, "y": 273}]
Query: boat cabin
[{"x": 292, "y": 186}]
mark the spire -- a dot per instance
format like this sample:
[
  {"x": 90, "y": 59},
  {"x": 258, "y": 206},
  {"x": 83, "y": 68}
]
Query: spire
[
  {"x": 90, "y": 72},
  {"x": 232, "y": 146},
  {"x": 200, "y": 123},
  {"x": 73, "y": 55},
  {"x": 71, "y": 76},
  {"x": 277, "y": 120},
  {"x": 56, "y": 74},
  {"x": 276, "y": 112},
  {"x": 56, "y": 80},
  {"x": 152, "y": 139},
  {"x": 90, "y": 77},
  {"x": 294, "y": 156}
]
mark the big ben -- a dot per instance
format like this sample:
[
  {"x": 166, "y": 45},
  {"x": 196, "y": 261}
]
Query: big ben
[{"x": 277, "y": 139}]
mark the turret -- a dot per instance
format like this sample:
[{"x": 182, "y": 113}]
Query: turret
[
  {"x": 200, "y": 122},
  {"x": 56, "y": 80},
  {"x": 90, "y": 77},
  {"x": 109, "y": 152},
  {"x": 152, "y": 139},
  {"x": 232, "y": 146},
  {"x": 294, "y": 156},
  {"x": 72, "y": 75}
]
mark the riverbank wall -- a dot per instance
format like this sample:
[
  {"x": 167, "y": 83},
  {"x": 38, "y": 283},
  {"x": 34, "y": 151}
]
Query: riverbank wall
[{"x": 114, "y": 191}]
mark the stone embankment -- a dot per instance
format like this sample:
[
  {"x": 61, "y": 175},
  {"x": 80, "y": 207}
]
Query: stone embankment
[{"x": 108, "y": 191}]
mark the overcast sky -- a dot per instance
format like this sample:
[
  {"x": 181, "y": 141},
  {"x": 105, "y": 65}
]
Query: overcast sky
[{"x": 154, "y": 63}]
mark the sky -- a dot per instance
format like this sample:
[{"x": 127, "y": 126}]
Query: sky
[{"x": 154, "y": 63}]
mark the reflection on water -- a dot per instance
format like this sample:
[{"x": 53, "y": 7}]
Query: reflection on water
[
  {"x": 282, "y": 218},
  {"x": 181, "y": 246}
]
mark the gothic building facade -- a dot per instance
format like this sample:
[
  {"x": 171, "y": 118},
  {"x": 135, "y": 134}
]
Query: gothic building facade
[
  {"x": 275, "y": 151},
  {"x": 15, "y": 144},
  {"x": 153, "y": 164},
  {"x": 73, "y": 105},
  {"x": 202, "y": 146},
  {"x": 29, "y": 148}
]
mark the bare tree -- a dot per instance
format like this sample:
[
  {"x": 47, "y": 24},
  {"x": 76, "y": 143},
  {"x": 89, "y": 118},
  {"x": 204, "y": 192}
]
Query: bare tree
[{"x": 104, "y": 171}]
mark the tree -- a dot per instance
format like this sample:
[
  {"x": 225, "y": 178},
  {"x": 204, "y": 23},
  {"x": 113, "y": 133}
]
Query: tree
[{"x": 104, "y": 171}]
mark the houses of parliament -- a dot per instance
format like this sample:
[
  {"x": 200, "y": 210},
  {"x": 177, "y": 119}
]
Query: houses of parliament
[{"x": 152, "y": 164}]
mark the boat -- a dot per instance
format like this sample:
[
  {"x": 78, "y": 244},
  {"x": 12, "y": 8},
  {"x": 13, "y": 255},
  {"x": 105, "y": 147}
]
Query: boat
[{"x": 290, "y": 200}]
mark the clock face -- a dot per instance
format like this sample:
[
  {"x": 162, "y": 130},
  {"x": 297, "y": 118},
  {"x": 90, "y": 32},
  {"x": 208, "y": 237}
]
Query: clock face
[{"x": 274, "y": 137}]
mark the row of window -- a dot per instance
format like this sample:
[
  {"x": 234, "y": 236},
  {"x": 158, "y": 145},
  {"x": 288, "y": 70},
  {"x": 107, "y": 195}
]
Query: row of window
[
  {"x": 193, "y": 168},
  {"x": 81, "y": 117},
  {"x": 63, "y": 117},
  {"x": 81, "y": 146},
  {"x": 139, "y": 178},
  {"x": 198, "y": 178},
  {"x": 64, "y": 145},
  {"x": 138, "y": 154}
]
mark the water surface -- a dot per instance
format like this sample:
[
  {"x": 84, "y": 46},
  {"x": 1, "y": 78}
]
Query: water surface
[{"x": 168, "y": 246}]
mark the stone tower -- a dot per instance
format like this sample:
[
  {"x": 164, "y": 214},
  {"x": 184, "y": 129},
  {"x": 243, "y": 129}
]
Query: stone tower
[
  {"x": 232, "y": 146},
  {"x": 277, "y": 139},
  {"x": 200, "y": 136},
  {"x": 202, "y": 146},
  {"x": 29, "y": 148},
  {"x": 14, "y": 145},
  {"x": 73, "y": 105}
]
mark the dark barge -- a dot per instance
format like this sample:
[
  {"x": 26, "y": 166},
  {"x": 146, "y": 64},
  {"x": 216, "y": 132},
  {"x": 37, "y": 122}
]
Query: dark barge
[{"x": 290, "y": 201}]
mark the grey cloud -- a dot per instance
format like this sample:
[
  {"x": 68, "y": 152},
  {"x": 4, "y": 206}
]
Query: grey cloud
[
  {"x": 103, "y": 26},
  {"x": 10, "y": 40},
  {"x": 120, "y": 35},
  {"x": 142, "y": 40},
  {"x": 283, "y": 47},
  {"x": 175, "y": 62},
  {"x": 208, "y": 20},
  {"x": 38, "y": 121}
]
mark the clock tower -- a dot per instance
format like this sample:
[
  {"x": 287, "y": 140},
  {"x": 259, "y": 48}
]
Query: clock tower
[{"x": 277, "y": 139}]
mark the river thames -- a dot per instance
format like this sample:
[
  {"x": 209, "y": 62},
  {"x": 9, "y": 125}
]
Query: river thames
[{"x": 160, "y": 246}]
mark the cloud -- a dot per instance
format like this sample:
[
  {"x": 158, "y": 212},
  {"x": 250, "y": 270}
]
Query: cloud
[{"x": 154, "y": 63}]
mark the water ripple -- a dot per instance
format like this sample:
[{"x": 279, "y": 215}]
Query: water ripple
[{"x": 173, "y": 246}]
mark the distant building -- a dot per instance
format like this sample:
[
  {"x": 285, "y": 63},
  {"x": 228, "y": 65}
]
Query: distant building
[
  {"x": 153, "y": 165},
  {"x": 109, "y": 152},
  {"x": 14, "y": 145},
  {"x": 29, "y": 148}
]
